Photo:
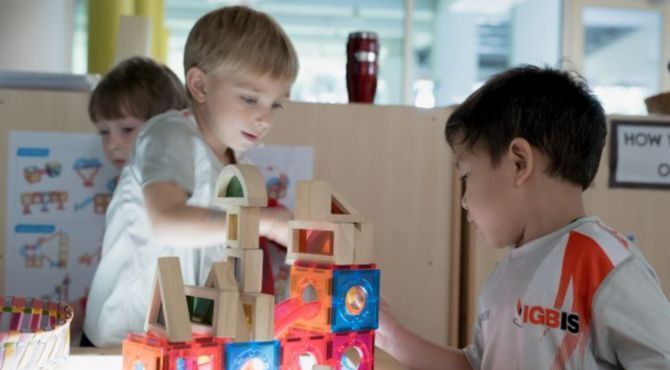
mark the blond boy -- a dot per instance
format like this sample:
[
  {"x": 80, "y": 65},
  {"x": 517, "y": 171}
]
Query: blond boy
[{"x": 240, "y": 66}]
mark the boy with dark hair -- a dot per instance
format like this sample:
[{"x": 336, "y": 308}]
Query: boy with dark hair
[{"x": 572, "y": 293}]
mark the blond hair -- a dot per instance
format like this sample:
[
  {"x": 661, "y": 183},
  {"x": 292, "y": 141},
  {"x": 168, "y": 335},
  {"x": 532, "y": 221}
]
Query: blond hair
[{"x": 240, "y": 40}]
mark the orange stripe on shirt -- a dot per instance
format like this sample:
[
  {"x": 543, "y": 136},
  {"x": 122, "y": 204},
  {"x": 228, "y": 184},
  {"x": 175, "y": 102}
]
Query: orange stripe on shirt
[{"x": 585, "y": 265}]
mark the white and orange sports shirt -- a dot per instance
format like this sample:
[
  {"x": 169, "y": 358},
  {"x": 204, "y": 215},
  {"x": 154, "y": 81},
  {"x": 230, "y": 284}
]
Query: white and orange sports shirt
[{"x": 582, "y": 297}]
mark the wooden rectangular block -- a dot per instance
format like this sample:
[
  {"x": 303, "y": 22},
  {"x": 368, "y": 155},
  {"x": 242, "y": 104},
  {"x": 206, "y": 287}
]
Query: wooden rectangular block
[
  {"x": 252, "y": 271},
  {"x": 242, "y": 223},
  {"x": 322, "y": 242},
  {"x": 248, "y": 267},
  {"x": 363, "y": 243},
  {"x": 222, "y": 306},
  {"x": 259, "y": 315}
]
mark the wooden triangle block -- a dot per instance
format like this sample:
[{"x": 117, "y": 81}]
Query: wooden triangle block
[
  {"x": 168, "y": 313},
  {"x": 317, "y": 200},
  {"x": 222, "y": 276}
]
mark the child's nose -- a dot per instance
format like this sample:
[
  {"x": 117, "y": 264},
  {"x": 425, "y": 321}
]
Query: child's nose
[
  {"x": 114, "y": 142},
  {"x": 264, "y": 118}
]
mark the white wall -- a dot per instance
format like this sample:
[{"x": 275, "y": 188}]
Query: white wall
[
  {"x": 631, "y": 60},
  {"x": 454, "y": 55},
  {"x": 36, "y": 35},
  {"x": 536, "y": 33}
]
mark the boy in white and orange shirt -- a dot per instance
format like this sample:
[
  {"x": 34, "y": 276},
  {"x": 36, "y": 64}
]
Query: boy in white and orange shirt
[{"x": 572, "y": 293}]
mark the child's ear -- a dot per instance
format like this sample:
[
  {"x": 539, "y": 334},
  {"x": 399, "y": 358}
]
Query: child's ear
[
  {"x": 521, "y": 153},
  {"x": 196, "y": 83}
]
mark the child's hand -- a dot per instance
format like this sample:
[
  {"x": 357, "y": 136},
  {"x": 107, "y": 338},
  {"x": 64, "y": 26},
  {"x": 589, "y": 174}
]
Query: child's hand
[
  {"x": 411, "y": 350},
  {"x": 274, "y": 224},
  {"x": 77, "y": 323},
  {"x": 389, "y": 327}
]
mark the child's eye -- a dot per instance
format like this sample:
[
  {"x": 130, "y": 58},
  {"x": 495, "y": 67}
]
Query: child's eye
[
  {"x": 103, "y": 132},
  {"x": 127, "y": 130},
  {"x": 277, "y": 106},
  {"x": 249, "y": 100}
]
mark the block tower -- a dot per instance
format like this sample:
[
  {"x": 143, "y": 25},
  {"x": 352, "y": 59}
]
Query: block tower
[
  {"x": 332, "y": 311},
  {"x": 228, "y": 323}
]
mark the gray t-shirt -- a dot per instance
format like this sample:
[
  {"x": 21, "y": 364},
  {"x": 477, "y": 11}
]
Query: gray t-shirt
[
  {"x": 582, "y": 297},
  {"x": 169, "y": 148}
]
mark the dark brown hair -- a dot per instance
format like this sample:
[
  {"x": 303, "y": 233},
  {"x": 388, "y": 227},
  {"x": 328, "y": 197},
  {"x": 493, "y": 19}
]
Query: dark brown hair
[
  {"x": 138, "y": 87},
  {"x": 553, "y": 110}
]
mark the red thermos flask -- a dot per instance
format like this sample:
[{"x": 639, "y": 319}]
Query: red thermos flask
[{"x": 362, "y": 67}]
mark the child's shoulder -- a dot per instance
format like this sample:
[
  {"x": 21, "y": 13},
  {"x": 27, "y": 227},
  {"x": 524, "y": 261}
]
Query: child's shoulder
[
  {"x": 599, "y": 243},
  {"x": 170, "y": 124}
]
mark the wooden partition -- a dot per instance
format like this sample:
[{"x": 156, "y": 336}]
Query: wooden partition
[
  {"x": 642, "y": 213},
  {"x": 393, "y": 164}
]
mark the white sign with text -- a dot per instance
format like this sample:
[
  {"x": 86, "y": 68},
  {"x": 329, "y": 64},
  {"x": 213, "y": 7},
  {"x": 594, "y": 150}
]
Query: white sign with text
[{"x": 640, "y": 155}]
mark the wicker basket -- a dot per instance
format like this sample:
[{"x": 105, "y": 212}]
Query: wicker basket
[
  {"x": 658, "y": 104},
  {"x": 34, "y": 334}
]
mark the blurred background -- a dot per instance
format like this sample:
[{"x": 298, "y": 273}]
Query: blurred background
[{"x": 433, "y": 52}]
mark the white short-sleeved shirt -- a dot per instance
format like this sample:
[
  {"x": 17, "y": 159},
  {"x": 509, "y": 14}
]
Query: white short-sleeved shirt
[
  {"x": 169, "y": 148},
  {"x": 582, "y": 297}
]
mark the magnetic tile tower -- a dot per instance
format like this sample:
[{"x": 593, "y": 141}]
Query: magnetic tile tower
[
  {"x": 332, "y": 311},
  {"x": 327, "y": 322}
]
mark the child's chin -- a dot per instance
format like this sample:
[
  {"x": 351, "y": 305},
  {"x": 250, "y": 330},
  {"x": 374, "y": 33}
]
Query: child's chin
[
  {"x": 241, "y": 148},
  {"x": 490, "y": 241}
]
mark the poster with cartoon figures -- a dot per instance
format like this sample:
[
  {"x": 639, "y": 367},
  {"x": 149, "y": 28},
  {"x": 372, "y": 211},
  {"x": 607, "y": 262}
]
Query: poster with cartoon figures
[{"x": 59, "y": 186}]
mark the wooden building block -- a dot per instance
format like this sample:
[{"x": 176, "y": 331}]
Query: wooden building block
[
  {"x": 322, "y": 242},
  {"x": 259, "y": 315},
  {"x": 243, "y": 325},
  {"x": 363, "y": 242},
  {"x": 212, "y": 312},
  {"x": 241, "y": 185},
  {"x": 317, "y": 200},
  {"x": 252, "y": 271},
  {"x": 248, "y": 268},
  {"x": 222, "y": 276},
  {"x": 168, "y": 313},
  {"x": 242, "y": 223}
]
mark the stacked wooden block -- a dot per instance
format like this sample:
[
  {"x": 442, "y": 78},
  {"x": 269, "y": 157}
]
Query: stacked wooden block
[
  {"x": 328, "y": 321},
  {"x": 185, "y": 323}
]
